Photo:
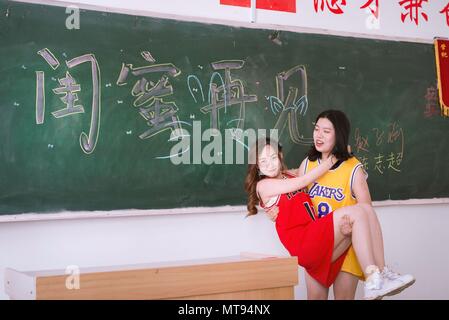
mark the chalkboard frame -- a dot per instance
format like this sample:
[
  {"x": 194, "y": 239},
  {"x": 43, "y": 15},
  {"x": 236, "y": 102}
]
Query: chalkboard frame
[{"x": 221, "y": 209}]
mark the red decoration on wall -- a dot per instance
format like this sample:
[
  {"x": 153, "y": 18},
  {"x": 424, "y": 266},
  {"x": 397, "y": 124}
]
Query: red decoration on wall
[
  {"x": 414, "y": 8},
  {"x": 446, "y": 12},
  {"x": 333, "y": 5},
  {"x": 238, "y": 3},
  {"x": 442, "y": 59},
  {"x": 277, "y": 5},
  {"x": 374, "y": 11}
]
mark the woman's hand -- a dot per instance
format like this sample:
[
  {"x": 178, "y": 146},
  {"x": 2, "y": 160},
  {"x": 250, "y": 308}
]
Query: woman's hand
[
  {"x": 332, "y": 160},
  {"x": 272, "y": 213},
  {"x": 346, "y": 226}
]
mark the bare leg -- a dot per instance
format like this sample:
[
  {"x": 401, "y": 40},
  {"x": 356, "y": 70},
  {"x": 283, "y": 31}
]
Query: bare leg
[
  {"x": 362, "y": 240},
  {"x": 365, "y": 246},
  {"x": 340, "y": 248},
  {"x": 345, "y": 286},
  {"x": 376, "y": 234},
  {"x": 376, "y": 237},
  {"x": 315, "y": 291}
]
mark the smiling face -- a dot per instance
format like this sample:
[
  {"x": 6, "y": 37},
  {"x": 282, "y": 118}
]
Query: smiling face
[
  {"x": 269, "y": 163},
  {"x": 324, "y": 136}
]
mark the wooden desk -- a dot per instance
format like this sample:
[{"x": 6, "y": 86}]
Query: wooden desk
[{"x": 239, "y": 277}]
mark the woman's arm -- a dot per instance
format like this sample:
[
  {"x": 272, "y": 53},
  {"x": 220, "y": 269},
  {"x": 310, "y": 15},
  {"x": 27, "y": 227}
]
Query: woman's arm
[
  {"x": 361, "y": 192},
  {"x": 298, "y": 171},
  {"x": 302, "y": 167},
  {"x": 293, "y": 172},
  {"x": 360, "y": 187},
  {"x": 268, "y": 188},
  {"x": 273, "y": 212}
]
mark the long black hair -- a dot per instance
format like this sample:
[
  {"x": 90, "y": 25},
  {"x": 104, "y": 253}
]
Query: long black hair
[{"x": 342, "y": 128}]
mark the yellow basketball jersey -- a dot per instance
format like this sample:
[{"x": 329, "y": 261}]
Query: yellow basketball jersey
[{"x": 332, "y": 191}]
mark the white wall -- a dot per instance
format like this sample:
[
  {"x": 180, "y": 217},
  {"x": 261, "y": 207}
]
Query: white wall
[
  {"x": 354, "y": 20},
  {"x": 415, "y": 242},
  {"x": 415, "y": 235}
]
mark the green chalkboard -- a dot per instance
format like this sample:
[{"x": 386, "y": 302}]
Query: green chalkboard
[{"x": 87, "y": 115}]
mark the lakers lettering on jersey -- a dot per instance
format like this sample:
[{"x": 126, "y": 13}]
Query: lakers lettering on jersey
[
  {"x": 327, "y": 192},
  {"x": 334, "y": 189}
]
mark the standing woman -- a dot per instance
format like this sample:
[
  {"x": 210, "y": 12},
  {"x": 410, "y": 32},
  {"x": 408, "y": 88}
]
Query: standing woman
[{"x": 345, "y": 184}]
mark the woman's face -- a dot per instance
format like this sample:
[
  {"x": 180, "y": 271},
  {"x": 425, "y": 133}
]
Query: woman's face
[
  {"x": 324, "y": 136},
  {"x": 269, "y": 164}
]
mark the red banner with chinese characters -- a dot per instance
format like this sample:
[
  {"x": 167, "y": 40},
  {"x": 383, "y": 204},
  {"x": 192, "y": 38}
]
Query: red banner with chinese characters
[
  {"x": 239, "y": 3},
  {"x": 277, "y": 5},
  {"x": 442, "y": 59}
]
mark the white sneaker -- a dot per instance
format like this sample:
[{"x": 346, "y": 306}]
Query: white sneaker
[
  {"x": 397, "y": 281},
  {"x": 373, "y": 287},
  {"x": 387, "y": 283}
]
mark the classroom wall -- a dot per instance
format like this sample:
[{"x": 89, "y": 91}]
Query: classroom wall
[
  {"x": 415, "y": 235},
  {"x": 353, "y": 20},
  {"x": 415, "y": 238}
]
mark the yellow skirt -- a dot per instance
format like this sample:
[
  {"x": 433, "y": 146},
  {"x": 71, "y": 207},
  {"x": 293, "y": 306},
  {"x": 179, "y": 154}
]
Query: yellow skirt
[{"x": 351, "y": 264}]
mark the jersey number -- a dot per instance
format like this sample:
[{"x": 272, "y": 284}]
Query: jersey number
[{"x": 323, "y": 209}]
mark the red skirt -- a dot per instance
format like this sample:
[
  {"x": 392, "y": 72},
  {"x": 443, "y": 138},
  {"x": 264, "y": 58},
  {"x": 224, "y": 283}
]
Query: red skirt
[{"x": 313, "y": 244}]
